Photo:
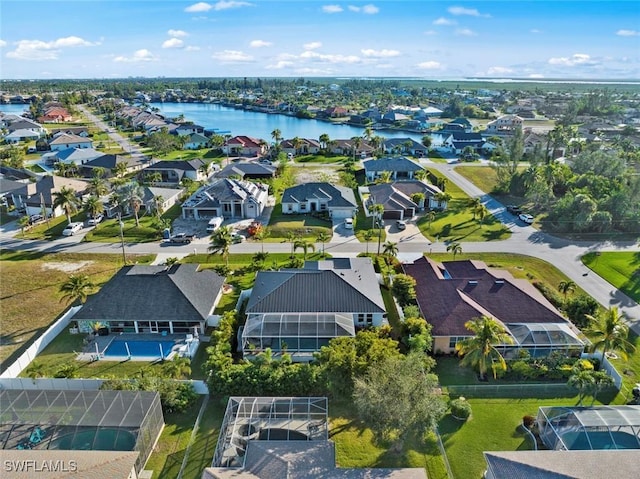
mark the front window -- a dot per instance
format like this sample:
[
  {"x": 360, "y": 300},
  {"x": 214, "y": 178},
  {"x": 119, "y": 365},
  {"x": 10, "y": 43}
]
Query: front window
[{"x": 453, "y": 340}]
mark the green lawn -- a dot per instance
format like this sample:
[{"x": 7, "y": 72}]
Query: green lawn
[
  {"x": 319, "y": 159},
  {"x": 305, "y": 225},
  {"x": 167, "y": 457},
  {"x": 456, "y": 223},
  {"x": 31, "y": 299},
  {"x": 51, "y": 229},
  {"x": 629, "y": 369},
  {"x": 356, "y": 446},
  {"x": 621, "y": 269}
]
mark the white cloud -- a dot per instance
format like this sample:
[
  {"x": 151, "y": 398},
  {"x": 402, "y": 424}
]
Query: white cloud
[
  {"x": 465, "y": 32},
  {"x": 312, "y": 45},
  {"x": 431, "y": 65},
  {"x": 259, "y": 44},
  {"x": 384, "y": 53},
  {"x": 139, "y": 56},
  {"x": 499, "y": 70},
  {"x": 177, "y": 33},
  {"x": 198, "y": 7},
  {"x": 536, "y": 75},
  {"x": 39, "y": 50},
  {"x": 430, "y": 32},
  {"x": 444, "y": 21},
  {"x": 332, "y": 8},
  {"x": 173, "y": 43},
  {"x": 466, "y": 11},
  {"x": 575, "y": 59},
  {"x": 222, "y": 5},
  {"x": 349, "y": 59},
  {"x": 226, "y": 5},
  {"x": 535, "y": 30},
  {"x": 280, "y": 65},
  {"x": 367, "y": 9},
  {"x": 192, "y": 48},
  {"x": 232, "y": 56},
  {"x": 628, "y": 33},
  {"x": 3, "y": 43}
]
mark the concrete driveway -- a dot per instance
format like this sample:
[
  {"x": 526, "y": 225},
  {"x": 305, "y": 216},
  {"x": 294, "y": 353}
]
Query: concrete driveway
[{"x": 410, "y": 234}]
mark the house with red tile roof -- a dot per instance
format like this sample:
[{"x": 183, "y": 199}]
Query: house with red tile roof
[
  {"x": 453, "y": 292},
  {"x": 245, "y": 146}
]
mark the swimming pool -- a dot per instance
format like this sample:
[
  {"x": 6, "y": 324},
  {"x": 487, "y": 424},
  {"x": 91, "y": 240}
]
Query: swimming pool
[
  {"x": 578, "y": 441},
  {"x": 95, "y": 440},
  {"x": 139, "y": 349}
]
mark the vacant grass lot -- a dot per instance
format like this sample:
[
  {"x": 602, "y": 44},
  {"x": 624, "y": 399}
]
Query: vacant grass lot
[
  {"x": 30, "y": 296},
  {"x": 319, "y": 159},
  {"x": 621, "y": 269},
  {"x": 305, "y": 226},
  {"x": 167, "y": 457},
  {"x": 456, "y": 223}
]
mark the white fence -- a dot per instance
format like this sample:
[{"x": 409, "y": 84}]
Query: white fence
[
  {"x": 39, "y": 344},
  {"x": 607, "y": 366},
  {"x": 199, "y": 386}
]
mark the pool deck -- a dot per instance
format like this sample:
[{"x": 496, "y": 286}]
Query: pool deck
[{"x": 95, "y": 348}]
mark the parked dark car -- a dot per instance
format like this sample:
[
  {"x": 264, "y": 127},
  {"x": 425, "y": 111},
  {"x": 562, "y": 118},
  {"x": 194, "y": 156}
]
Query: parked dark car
[
  {"x": 33, "y": 219},
  {"x": 514, "y": 210}
]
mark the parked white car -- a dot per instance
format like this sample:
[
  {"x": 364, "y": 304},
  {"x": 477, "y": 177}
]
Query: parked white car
[
  {"x": 72, "y": 229},
  {"x": 526, "y": 218},
  {"x": 348, "y": 223},
  {"x": 94, "y": 220}
]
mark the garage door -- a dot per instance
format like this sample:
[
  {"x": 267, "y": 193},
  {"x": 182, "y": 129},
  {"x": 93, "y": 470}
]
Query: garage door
[{"x": 392, "y": 215}]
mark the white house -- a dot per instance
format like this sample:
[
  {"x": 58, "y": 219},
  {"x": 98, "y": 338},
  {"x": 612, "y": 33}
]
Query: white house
[
  {"x": 65, "y": 140},
  {"x": 338, "y": 201},
  {"x": 227, "y": 198}
]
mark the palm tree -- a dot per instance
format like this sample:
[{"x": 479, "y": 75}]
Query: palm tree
[
  {"x": 93, "y": 206},
  {"x": 178, "y": 368},
  {"x": 583, "y": 381},
  {"x": 99, "y": 172},
  {"x": 442, "y": 198},
  {"x": 132, "y": 193},
  {"x": 479, "y": 351},
  {"x": 455, "y": 248},
  {"x": 23, "y": 222},
  {"x": 390, "y": 249},
  {"x": 158, "y": 202},
  {"x": 474, "y": 204},
  {"x": 97, "y": 186},
  {"x": 376, "y": 211},
  {"x": 305, "y": 245},
  {"x": 368, "y": 133},
  {"x": 426, "y": 141},
  {"x": 481, "y": 211},
  {"x": 431, "y": 216},
  {"x": 277, "y": 136},
  {"x": 357, "y": 142},
  {"x": 324, "y": 140},
  {"x": 67, "y": 200},
  {"x": 323, "y": 237},
  {"x": 566, "y": 287},
  {"x": 221, "y": 241},
  {"x": 609, "y": 333},
  {"x": 297, "y": 143},
  {"x": 76, "y": 288},
  {"x": 421, "y": 174},
  {"x": 385, "y": 177},
  {"x": 120, "y": 169},
  {"x": 367, "y": 235}
]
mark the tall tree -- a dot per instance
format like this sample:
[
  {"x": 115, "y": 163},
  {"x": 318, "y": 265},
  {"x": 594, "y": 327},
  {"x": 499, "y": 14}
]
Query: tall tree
[
  {"x": 390, "y": 248},
  {"x": 93, "y": 206},
  {"x": 323, "y": 237},
  {"x": 131, "y": 194},
  {"x": 23, "y": 222},
  {"x": 608, "y": 332},
  {"x": 566, "y": 287},
  {"x": 417, "y": 405},
  {"x": 221, "y": 241},
  {"x": 97, "y": 186},
  {"x": 305, "y": 245},
  {"x": 455, "y": 248},
  {"x": 67, "y": 200},
  {"x": 76, "y": 288},
  {"x": 480, "y": 350}
]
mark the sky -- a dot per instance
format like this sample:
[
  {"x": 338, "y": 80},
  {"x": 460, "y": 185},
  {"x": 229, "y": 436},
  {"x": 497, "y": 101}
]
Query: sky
[{"x": 569, "y": 39}]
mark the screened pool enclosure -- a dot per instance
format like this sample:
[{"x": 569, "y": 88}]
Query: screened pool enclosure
[
  {"x": 541, "y": 339},
  {"x": 590, "y": 428},
  {"x": 81, "y": 420},
  {"x": 299, "y": 334}
]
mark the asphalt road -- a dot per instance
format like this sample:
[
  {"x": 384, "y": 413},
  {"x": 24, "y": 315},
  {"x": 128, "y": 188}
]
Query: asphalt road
[{"x": 526, "y": 240}]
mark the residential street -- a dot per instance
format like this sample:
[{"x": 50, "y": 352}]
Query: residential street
[{"x": 563, "y": 254}]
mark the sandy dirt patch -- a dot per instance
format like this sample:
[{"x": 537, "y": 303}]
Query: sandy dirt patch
[
  {"x": 67, "y": 267},
  {"x": 311, "y": 174}
]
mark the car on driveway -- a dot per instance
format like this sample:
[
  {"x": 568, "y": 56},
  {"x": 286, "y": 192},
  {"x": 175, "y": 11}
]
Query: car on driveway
[
  {"x": 514, "y": 210},
  {"x": 526, "y": 218},
  {"x": 237, "y": 237},
  {"x": 72, "y": 229},
  {"x": 401, "y": 225},
  {"x": 34, "y": 219},
  {"x": 94, "y": 220}
]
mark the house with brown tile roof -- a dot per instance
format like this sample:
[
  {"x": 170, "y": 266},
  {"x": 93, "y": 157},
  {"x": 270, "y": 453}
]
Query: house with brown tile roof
[
  {"x": 245, "y": 146},
  {"x": 453, "y": 292}
]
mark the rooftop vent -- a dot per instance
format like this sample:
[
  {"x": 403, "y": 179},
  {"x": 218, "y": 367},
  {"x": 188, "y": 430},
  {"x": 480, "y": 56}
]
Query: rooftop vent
[
  {"x": 499, "y": 281},
  {"x": 473, "y": 282}
]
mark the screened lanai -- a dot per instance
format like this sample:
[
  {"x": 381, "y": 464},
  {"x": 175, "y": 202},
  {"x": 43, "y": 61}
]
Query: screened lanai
[
  {"x": 249, "y": 419},
  {"x": 540, "y": 339},
  {"x": 300, "y": 334},
  {"x": 81, "y": 420},
  {"x": 590, "y": 428}
]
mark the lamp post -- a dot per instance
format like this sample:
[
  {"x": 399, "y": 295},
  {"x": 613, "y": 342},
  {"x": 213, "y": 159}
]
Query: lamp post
[{"x": 124, "y": 257}]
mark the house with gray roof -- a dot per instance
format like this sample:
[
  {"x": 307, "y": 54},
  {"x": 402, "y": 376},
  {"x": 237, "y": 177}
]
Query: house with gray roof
[
  {"x": 77, "y": 156},
  {"x": 301, "y": 310},
  {"x": 407, "y": 146},
  {"x": 17, "y": 136},
  {"x": 401, "y": 168},
  {"x": 154, "y": 299},
  {"x": 338, "y": 201},
  {"x": 109, "y": 162},
  {"x": 173, "y": 171},
  {"x": 65, "y": 140},
  {"x": 227, "y": 198},
  {"x": 400, "y": 201},
  {"x": 247, "y": 169},
  {"x": 195, "y": 141}
]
